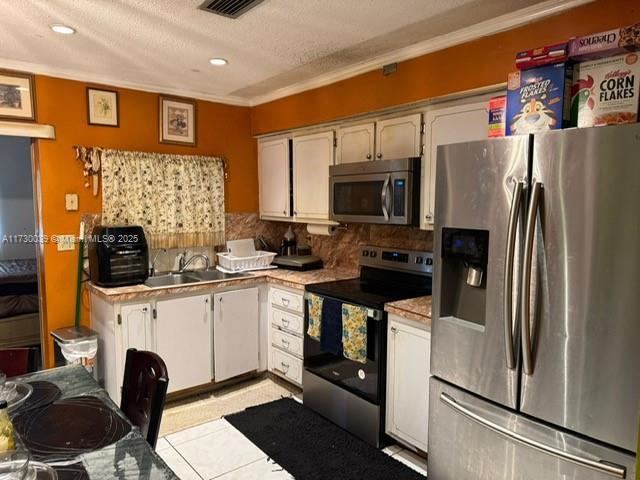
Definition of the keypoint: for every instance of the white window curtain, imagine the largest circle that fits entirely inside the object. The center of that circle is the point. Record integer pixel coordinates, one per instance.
(178, 199)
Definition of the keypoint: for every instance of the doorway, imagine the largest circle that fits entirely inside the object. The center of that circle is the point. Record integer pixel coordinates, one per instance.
(20, 300)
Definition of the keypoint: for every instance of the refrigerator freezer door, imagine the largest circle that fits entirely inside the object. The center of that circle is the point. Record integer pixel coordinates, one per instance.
(584, 338)
(476, 190)
(472, 439)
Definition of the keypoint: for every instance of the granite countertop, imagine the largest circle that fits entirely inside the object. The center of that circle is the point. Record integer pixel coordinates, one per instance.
(417, 309)
(287, 278)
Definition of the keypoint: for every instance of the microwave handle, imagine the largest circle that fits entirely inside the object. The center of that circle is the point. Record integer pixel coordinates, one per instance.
(385, 197)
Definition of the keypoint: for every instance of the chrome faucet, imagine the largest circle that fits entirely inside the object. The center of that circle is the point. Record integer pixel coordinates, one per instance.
(182, 264)
(152, 269)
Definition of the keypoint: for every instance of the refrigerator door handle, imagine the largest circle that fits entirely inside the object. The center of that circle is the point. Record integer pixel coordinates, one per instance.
(601, 466)
(525, 329)
(514, 214)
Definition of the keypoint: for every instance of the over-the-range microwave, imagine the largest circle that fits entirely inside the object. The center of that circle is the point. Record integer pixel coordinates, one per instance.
(382, 191)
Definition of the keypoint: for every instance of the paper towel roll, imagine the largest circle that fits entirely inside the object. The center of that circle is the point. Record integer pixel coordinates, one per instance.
(314, 229)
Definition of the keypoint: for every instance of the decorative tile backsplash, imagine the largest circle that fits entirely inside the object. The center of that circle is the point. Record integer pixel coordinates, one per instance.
(339, 250)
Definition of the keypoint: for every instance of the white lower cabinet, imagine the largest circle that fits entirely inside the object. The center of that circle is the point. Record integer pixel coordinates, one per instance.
(408, 365)
(235, 333)
(184, 340)
(286, 334)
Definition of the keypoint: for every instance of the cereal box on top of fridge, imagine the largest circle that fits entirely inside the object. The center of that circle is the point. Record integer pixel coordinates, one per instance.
(605, 91)
(497, 115)
(605, 44)
(536, 57)
(539, 99)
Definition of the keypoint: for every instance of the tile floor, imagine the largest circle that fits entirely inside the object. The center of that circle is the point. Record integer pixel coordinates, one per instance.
(216, 450)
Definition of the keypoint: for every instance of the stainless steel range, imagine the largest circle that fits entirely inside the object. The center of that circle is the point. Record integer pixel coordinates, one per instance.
(350, 393)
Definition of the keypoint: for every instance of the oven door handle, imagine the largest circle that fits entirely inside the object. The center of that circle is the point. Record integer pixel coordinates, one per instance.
(385, 197)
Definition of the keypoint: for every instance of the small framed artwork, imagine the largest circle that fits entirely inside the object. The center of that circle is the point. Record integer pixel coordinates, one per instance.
(17, 96)
(102, 107)
(177, 120)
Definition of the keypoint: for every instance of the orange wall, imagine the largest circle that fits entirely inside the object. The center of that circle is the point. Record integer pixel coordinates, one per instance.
(475, 64)
(222, 130)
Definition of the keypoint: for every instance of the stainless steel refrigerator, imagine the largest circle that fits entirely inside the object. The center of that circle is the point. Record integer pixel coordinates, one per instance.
(536, 331)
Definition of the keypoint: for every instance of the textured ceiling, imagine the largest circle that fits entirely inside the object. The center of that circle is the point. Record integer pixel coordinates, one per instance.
(165, 45)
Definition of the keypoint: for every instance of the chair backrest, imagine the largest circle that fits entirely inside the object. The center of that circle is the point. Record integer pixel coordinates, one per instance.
(144, 390)
(18, 361)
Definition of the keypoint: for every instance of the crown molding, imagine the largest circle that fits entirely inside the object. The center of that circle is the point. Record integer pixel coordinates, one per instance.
(86, 77)
(483, 29)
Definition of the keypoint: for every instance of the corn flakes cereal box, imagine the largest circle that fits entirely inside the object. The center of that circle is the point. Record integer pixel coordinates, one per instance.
(538, 99)
(605, 91)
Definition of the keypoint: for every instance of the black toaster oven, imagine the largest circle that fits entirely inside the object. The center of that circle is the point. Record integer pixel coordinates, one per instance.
(118, 256)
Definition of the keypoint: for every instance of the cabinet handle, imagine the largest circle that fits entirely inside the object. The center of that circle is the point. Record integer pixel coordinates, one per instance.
(379, 155)
(429, 216)
(284, 212)
(285, 302)
(368, 156)
(394, 330)
(286, 366)
(285, 342)
(119, 319)
(285, 322)
(145, 310)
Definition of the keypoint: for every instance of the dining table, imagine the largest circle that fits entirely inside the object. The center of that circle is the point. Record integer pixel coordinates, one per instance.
(129, 457)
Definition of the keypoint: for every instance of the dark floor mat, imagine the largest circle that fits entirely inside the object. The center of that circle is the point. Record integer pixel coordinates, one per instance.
(312, 448)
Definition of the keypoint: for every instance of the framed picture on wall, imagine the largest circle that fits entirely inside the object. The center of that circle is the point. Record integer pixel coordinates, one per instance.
(17, 96)
(102, 107)
(177, 118)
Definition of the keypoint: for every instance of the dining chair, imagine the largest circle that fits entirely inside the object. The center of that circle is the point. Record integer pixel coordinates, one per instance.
(18, 361)
(144, 390)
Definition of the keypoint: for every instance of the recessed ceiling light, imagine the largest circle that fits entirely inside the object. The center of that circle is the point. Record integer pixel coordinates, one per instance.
(218, 62)
(63, 29)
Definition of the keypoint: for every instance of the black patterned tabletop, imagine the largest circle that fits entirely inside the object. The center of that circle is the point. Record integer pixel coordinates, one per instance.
(114, 450)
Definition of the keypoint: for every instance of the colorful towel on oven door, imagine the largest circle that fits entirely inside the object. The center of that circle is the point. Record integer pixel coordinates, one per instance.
(354, 332)
(315, 316)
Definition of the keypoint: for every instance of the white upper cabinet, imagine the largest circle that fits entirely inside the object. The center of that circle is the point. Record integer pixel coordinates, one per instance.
(399, 137)
(273, 171)
(312, 156)
(453, 124)
(355, 143)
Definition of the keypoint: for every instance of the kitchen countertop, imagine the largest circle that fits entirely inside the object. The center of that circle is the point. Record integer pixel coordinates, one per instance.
(286, 278)
(417, 309)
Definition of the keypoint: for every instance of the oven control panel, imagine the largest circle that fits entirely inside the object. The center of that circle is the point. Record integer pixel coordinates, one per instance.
(415, 261)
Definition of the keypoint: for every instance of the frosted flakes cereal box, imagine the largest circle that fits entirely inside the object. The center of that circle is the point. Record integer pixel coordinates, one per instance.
(538, 99)
(605, 91)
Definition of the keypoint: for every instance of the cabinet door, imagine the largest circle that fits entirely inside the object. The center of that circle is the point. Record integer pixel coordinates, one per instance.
(408, 383)
(184, 340)
(136, 327)
(399, 137)
(356, 143)
(461, 123)
(273, 171)
(312, 156)
(235, 333)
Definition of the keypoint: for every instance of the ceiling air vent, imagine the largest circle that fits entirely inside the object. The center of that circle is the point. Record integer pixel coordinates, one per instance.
(229, 8)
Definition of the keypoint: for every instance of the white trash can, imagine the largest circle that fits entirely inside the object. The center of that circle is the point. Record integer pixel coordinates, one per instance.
(78, 346)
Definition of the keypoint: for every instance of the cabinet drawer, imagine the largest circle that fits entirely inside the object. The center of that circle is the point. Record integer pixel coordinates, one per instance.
(285, 341)
(287, 365)
(288, 300)
(287, 321)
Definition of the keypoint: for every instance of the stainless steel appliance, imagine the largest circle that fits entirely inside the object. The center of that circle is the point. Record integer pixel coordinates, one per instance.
(118, 256)
(384, 191)
(349, 393)
(535, 361)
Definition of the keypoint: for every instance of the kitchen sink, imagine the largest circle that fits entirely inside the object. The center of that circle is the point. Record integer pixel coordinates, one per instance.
(171, 279)
(210, 275)
(195, 276)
